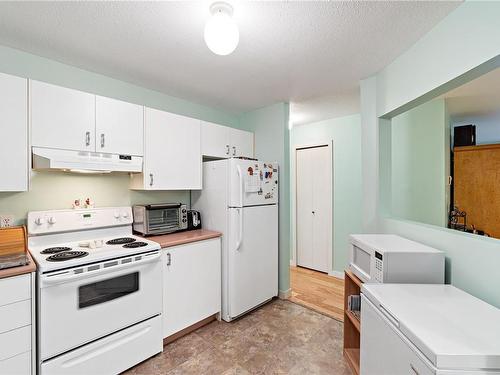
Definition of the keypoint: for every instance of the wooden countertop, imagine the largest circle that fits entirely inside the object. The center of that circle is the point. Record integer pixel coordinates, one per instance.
(19, 270)
(181, 238)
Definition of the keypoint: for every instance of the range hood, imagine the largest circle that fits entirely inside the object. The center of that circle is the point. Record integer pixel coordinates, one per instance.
(84, 161)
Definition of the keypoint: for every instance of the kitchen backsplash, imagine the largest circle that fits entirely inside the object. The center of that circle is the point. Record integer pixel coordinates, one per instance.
(57, 190)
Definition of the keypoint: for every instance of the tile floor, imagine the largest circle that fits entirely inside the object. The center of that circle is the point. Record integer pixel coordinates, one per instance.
(279, 338)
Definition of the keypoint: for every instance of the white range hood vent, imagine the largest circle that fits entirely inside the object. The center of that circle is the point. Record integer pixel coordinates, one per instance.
(84, 161)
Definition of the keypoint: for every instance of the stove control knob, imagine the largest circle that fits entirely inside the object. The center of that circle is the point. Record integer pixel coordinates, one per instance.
(116, 215)
(125, 214)
(39, 220)
(52, 220)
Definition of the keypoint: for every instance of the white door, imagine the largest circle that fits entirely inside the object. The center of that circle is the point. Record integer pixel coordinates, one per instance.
(191, 284)
(119, 127)
(14, 130)
(253, 257)
(215, 140)
(172, 152)
(241, 143)
(314, 214)
(62, 118)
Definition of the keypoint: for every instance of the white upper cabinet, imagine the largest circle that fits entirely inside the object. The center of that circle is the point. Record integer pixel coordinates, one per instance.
(62, 118)
(241, 143)
(172, 153)
(215, 140)
(119, 127)
(14, 133)
(219, 141)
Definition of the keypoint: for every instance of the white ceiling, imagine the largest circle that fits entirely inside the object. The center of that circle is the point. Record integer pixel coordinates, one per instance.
(479, 97)
(288, 51)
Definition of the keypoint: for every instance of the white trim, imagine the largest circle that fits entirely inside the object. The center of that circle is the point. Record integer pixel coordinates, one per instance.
(337, 274)
(284, 294)
(329, 144)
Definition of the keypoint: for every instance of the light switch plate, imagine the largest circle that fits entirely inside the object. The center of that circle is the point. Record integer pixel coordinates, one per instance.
(6, 221)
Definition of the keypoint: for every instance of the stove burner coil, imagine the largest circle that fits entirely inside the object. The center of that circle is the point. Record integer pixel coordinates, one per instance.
(54, 250)
(120, 241)
(67, 255)
(135, 244)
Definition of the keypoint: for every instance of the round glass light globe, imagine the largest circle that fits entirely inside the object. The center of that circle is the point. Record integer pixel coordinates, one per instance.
(221, 33)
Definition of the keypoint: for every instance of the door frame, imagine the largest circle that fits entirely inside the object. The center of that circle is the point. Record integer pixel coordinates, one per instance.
(296, 148)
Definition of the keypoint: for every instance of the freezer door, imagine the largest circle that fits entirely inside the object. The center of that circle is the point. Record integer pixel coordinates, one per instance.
(252, 183)
(253, 257)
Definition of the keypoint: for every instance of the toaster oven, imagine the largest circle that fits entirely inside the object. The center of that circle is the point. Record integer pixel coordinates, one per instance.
(153, 219)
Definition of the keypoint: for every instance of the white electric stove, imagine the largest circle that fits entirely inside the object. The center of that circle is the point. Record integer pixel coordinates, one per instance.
(99, 291)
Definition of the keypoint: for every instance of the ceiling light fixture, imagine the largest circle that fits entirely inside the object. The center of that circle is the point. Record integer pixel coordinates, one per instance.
(221, 32)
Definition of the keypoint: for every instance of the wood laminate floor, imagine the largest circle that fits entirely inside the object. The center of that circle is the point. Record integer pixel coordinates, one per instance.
(278, 338)
(317, 291)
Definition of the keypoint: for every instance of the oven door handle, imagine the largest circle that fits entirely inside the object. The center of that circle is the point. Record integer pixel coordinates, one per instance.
(68, 276)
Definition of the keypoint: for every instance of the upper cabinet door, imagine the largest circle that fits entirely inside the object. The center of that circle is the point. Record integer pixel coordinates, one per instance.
(241, 143)
(172, 158)
(215, 140)
(14, 131)
(119, 127)
(62, 118)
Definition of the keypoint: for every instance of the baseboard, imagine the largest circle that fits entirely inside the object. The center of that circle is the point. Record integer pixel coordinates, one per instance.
(337, 274)
(284, 294)
(293, 263)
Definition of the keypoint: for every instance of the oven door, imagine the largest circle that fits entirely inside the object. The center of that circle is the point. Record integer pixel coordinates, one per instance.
(360, 263)
(75, 309)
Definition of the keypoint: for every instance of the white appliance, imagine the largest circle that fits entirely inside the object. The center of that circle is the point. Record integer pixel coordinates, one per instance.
(387, 258)
(99, 291)
(427, 329)
(49, 158)
(240, 199)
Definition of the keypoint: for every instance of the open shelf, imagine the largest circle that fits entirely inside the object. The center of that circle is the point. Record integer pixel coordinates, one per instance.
(354, 320)
(352, 357)
(352, 325)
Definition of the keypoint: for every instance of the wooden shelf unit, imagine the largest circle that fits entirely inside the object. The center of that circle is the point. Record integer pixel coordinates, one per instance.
(352, 325)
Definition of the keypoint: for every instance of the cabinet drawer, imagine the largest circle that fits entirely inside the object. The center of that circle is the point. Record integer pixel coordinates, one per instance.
(14, 289)
(15, 315)
(20, 364)
(15, 342)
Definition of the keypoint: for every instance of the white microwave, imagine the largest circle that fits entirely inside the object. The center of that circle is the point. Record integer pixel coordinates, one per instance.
(387, 258)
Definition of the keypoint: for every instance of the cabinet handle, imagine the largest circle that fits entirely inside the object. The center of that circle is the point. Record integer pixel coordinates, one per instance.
(87, 139)
(151, 179)
(227, 149)
(169, 259)
(102, 140)
(234, 151)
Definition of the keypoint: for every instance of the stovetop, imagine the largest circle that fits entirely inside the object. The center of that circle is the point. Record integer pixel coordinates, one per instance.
(54, 256)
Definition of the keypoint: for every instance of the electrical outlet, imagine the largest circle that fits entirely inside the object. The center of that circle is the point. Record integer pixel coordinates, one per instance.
(6, 221)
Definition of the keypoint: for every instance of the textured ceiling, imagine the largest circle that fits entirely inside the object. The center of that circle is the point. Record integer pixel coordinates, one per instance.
(479, 97)
(288, 51)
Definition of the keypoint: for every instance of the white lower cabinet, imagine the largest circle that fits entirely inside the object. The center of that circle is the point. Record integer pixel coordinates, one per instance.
(191, 284)
(17, 341)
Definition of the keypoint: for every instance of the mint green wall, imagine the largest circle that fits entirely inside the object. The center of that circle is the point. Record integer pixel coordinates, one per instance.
(270, 126)
(53, 190)
(418, 164)
(432, 66)
(345, 132)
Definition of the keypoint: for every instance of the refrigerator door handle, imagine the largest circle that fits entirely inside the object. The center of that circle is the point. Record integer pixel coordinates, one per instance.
(240, 175)
(240, 229)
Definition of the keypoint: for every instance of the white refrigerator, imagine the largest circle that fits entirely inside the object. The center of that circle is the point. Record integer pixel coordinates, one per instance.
(240, 199)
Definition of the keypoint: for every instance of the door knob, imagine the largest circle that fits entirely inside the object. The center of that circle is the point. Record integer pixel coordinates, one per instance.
(313, 212)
